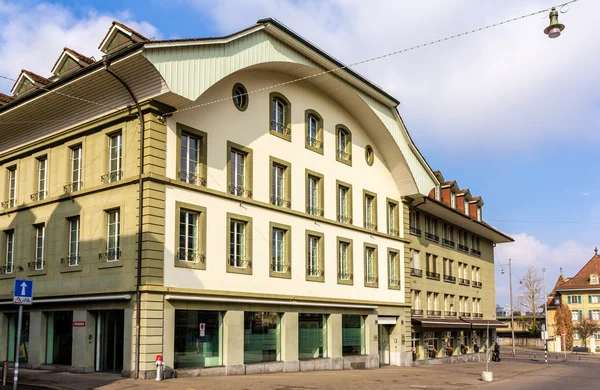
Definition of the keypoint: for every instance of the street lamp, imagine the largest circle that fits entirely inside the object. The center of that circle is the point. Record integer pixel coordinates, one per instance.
(554, 29)
(545, 319)
(512, 312)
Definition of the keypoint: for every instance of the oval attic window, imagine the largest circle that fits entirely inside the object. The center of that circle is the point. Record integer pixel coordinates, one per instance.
(240, 97)
(369, 155)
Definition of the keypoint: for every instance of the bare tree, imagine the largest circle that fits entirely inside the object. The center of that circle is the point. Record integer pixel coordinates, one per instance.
(532, 286)
(563, 320)
(586, 328)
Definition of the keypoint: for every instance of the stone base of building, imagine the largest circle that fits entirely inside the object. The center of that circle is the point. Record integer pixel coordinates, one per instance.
(469, 358)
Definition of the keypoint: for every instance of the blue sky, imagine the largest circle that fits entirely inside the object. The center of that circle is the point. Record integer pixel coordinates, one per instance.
(507, 112)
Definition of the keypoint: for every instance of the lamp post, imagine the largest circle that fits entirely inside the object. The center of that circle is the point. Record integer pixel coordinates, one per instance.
(545, 319)
(512, 311)
(554, 29)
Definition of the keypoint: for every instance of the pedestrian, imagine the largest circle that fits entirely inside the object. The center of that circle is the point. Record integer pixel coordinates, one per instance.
(475, 347)
(496, 354)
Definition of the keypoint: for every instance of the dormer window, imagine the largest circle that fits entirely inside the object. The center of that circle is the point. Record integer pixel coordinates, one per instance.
(479, 213)
(453, 199)
(437, 193)
(594, 279)
(466, 207)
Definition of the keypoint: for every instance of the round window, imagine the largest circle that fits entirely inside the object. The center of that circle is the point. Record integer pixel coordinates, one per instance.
(369, 155)
(240, 97)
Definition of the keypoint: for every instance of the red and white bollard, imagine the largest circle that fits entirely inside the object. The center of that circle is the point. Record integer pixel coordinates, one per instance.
(159, 367)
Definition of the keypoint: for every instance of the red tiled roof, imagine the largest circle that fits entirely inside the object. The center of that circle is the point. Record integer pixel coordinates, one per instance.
(439, 176)
(582, 279)
(463, 191)
(5, 99)
(206, 39)
(35, 77)
(124, 27)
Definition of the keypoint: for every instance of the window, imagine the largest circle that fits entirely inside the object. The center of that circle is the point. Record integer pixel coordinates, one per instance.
(344, 202)
(280, 120)
(42, 164)
(280, 183)
(453, 199)
(575, 315)
(314, 193)
(343, 152)
(239, 167)
(73, 255)
(371, 266)
(240, 97)
(239, 241)
(417, 299)
(475, 249)
(370, 210)
(393, 269)
(9, 260)
(415, 222)
(198, 338)
(466, 206)
(594, 299)
(432, 301)
(353, 335)
(280, 251)
(314, 131)
(431, 265)
(191, 163)
(315, 270)
(437, 193)
(261, 337)
(448, 267)
(431, 228)
(594, 279)
(393, 223)
(462, 241)
(76, 183)
(479, 213)
(595, 315)
(12, 187)
(312, 336)
(191, 228)
(574, 299)
(40, 232)
(344, 266)
(415, 259)
(448, 235)
(113, 235)
(115, 146)
(369, 155)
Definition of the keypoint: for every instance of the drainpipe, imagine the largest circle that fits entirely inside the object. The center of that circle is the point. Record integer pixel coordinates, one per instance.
(138, 307)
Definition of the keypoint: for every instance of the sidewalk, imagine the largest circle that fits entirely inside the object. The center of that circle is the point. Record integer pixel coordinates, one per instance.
(449, 376)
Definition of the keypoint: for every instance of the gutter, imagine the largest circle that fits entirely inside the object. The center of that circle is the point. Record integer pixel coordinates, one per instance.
(138, 283)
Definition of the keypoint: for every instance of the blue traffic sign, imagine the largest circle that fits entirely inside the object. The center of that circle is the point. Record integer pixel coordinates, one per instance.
(23, 292)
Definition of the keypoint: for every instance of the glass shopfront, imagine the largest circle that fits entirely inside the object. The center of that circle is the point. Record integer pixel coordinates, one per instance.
(12, 338)
(353, 335)
(198, 338)
(312, 336)
(261, 337)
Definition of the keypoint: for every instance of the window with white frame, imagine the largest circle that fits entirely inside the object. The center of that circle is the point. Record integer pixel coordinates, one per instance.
(415, 259)
(417, 299)
(594, 298)
(190, 158)
(237, 243)
(343, 203)
(188, 235)
(278, 108)
(575, 315)
(12, 186)
(370, 274)
(76, 168)
(453, 199)
(9, 260)
(113, 235)
(343, 261)
(313, 266)
(314, 195)
(40, 236)
(279, 192)
(278, 263)
(344, 145)
(370, 213)
(115, 147)
(312, 129)
(479, 213)
(595, 315)
(466, 207)
(74, 229)
(393, 269)
(42, 165)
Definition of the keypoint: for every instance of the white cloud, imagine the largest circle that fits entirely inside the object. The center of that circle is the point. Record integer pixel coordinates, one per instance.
(33, 37)
(509, 86)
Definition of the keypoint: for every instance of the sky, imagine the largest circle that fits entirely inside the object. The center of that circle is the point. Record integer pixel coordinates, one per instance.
(507, 112)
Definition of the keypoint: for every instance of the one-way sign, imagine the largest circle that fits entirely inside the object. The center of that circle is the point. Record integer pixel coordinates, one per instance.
(23, 292)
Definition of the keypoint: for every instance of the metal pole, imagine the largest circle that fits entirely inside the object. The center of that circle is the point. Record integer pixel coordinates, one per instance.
(512, 316)
(487, 349)
(18, 348)
(545, 319)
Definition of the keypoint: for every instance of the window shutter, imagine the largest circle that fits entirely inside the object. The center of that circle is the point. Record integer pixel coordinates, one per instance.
(590, 314)
(589, 299)
(569, 298)
(578, 298)
(580, 315)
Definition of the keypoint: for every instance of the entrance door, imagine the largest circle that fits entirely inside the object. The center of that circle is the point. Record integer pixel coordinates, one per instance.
(59, 341)
(109, 340)
(384, 345)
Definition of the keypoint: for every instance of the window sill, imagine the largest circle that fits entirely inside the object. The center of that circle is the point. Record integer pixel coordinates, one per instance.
(343, 161)
(40, 272)
(73, 268)
(313, 148)
(112, 264)
(347, 282)
(286, 137)
(393, 287)
(7, 276)
(239, 270)
(372, 285)
(199, 265)
(319, 279)
(280, 275)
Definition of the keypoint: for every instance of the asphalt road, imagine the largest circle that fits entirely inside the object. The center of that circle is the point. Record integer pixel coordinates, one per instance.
(569, 375)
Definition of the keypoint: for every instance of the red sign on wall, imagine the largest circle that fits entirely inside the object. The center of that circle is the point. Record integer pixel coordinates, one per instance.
(78, 324)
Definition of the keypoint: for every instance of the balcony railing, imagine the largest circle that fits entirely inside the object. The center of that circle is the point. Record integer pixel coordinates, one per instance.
(393, 232)
(343, 218)
(463, 248)
(394, 282)
(416, 312)
(240, 191)
(317, 212)
(237, 262)
(7, 204)
(72, 187)
(315, 143)
(434, 313)
(432, 275)
(370, 226)
(112, 255)
(371, 279)
(464, 282)
(449, 279)
(449, 243)
(280, 128)
(40, 195)
(345, 275)
(477, 315)
(192, 178)
(111, 177)
(416, 272)
(71, 260)
(343, 155)
(415, 230)
(464, 314)
(6, 269)
(475, 252)
(281, 268)
(281, 202)
(37, 265)
(190, 255)
(449, 314)
(476, 284)
(315, 272)
(432, 237)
